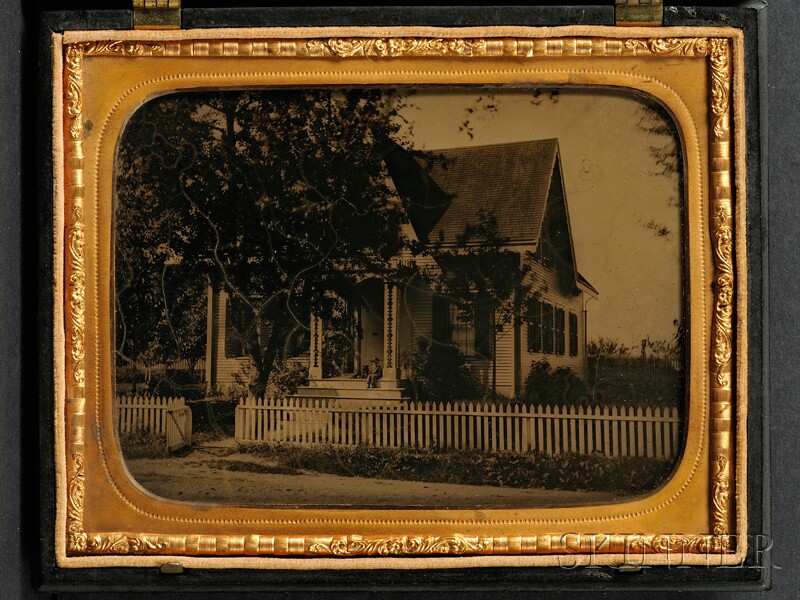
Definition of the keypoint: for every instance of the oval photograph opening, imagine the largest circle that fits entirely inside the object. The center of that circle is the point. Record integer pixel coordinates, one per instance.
(429, 297)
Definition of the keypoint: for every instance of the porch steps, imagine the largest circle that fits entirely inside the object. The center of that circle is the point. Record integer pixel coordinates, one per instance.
(365, 394)
(347, 383)
(353, 389)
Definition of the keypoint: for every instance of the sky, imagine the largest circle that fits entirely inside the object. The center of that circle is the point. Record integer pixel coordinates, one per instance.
(624, 215)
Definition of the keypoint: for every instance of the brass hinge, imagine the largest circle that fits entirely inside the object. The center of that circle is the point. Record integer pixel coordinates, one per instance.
(156, 14)
(639, 12)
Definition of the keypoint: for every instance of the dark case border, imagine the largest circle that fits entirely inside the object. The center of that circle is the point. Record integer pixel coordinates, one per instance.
(38, 272)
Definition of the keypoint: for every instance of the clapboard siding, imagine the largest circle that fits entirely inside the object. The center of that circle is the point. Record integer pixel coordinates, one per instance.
(504, 351)
(416, 316)
(222, 368)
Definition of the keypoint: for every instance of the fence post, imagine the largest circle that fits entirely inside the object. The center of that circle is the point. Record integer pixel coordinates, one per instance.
(572, 419)
(237, 421)
(674, 423)
(658, 427)
(147, 425)
(648, 415)
(556, 429)
(581, 412)
(458, 425)
(128, 412)
(591, 424)
(624, 410)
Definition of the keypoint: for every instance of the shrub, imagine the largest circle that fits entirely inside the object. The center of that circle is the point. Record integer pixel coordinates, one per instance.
(629, 390)
(440, 372)
(628, 381)
(286, 377)
(243, 378)
(596, 472)
(213, 418)
(543, 385)
(176, 383)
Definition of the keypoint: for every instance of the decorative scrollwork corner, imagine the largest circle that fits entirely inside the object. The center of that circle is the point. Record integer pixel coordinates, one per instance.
(123, 48)
(77, 540)
(720, 489)
(119, 543)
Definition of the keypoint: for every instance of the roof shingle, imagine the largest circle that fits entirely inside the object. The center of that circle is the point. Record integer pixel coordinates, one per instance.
(510, 181)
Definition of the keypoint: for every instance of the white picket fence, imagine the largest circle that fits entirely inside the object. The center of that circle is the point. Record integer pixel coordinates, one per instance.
(168, 416)
(612, 431)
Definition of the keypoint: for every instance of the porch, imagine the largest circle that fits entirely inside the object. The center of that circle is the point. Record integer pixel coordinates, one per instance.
(366, 326)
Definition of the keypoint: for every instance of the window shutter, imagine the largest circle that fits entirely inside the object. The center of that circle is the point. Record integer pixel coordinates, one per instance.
(573, 334)
(535, 326)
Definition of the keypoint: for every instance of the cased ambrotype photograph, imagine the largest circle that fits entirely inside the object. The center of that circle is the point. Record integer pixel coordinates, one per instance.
(328, 296)
(421, 297)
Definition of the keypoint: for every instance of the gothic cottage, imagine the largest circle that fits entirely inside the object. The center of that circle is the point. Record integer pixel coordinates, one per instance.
(520, 185)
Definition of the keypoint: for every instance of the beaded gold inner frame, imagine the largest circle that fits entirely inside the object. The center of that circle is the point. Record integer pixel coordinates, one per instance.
(105, 519)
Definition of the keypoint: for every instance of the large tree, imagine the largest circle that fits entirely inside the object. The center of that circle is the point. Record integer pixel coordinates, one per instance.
(277, 197)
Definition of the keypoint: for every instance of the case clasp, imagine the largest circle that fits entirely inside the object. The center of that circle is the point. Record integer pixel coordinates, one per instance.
(156, 14)
(639, 12)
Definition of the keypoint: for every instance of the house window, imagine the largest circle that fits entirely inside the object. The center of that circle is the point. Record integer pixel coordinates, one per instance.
(573, 334)
(462, 334)
(546, 328)
(450, 326)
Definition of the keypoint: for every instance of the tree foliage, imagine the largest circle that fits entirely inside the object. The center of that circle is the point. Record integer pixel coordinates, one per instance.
(483, 276)
(439, 372)
(276, 197)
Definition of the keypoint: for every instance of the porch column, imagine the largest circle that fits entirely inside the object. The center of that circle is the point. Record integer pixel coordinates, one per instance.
(357, 337)
(315, 348)
(391, 305)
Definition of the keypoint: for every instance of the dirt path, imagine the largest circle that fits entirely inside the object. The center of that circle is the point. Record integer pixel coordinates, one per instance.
(205, 476)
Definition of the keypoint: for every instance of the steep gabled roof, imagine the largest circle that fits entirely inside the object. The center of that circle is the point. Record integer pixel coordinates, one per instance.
(509, 181)
(446, 190)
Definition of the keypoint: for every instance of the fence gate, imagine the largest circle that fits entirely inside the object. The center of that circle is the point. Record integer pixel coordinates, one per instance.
(164, 416)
